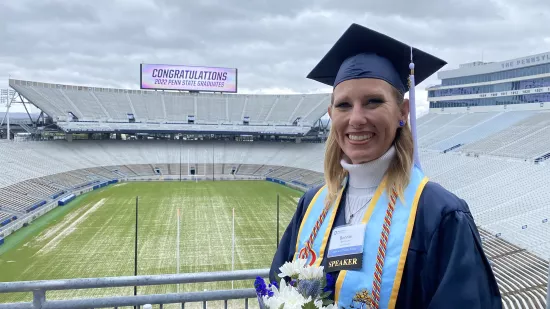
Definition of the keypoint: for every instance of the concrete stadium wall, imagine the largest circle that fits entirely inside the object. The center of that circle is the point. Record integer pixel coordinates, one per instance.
(194, 178)
(29, 218)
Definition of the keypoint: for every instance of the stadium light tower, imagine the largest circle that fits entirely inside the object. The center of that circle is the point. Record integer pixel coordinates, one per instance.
(6, 97)
(181, 146)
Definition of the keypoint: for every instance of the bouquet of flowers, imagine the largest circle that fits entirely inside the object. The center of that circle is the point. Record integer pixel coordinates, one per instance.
(309, 288)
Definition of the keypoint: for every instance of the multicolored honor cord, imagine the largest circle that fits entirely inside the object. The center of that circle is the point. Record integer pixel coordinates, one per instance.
(307, 249)
(381, 256)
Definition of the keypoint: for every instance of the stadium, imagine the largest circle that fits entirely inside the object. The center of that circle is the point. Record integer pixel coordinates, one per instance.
(72, 176)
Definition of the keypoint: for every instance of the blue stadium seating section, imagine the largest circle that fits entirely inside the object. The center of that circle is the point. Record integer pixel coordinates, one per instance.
(66, 199)
(86, 184)
(275, 180)
(36, 206)
(104, 184)
(8, 221)
(58, 194)
(299, 183)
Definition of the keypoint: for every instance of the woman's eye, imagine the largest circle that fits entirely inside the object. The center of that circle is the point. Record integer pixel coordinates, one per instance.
(342, 105)
(376, 101)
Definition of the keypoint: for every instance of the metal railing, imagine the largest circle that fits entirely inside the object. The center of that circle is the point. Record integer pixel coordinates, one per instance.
(39, 289)
(548, 288)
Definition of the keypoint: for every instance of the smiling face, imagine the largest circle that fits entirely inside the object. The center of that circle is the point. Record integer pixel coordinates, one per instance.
(365, 115)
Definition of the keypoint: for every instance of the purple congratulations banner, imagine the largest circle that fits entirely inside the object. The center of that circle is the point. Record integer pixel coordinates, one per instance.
(188, 78)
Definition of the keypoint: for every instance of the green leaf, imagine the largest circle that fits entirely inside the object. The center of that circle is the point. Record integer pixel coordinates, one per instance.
(277, 278)
(310, 305)
(325, 294)
(327, 302)
(282, 306)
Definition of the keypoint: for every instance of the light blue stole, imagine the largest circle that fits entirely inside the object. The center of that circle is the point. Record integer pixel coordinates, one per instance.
(350, 284)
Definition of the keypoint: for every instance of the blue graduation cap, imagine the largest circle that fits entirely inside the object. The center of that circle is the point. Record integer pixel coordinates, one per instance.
(364, 53)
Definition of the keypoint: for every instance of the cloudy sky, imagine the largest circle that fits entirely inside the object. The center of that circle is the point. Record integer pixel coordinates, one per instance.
(274, 44)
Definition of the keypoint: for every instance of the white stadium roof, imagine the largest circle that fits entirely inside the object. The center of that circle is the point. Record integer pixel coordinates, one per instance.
(109, 105)
(476, 68)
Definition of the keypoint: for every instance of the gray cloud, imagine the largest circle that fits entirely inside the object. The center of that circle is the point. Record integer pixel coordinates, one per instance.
(273, 44)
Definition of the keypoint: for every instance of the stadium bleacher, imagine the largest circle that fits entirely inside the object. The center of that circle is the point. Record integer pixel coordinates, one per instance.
(521, 135)
(4, 216)
(521, 276)
(512, 140)
(91, 104)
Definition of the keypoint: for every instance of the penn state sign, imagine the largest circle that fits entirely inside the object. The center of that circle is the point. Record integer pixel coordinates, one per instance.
(526, 61)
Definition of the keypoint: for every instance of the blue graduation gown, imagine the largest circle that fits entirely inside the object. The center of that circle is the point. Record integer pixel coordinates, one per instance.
(446, 266)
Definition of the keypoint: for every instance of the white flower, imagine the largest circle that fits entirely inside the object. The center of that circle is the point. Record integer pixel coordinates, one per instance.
(319, 304)
(272, 302)
(312, 272)
(286, 295)
(290, 269)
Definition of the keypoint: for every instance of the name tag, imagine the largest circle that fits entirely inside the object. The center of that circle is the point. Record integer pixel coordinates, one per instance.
(345, 251)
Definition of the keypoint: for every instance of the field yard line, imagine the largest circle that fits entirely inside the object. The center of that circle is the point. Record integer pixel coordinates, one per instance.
(52, 244)
(242, 253)
(223, 216)
(67, 220)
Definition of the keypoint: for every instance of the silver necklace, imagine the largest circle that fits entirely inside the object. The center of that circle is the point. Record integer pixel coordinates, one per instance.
(353, 214)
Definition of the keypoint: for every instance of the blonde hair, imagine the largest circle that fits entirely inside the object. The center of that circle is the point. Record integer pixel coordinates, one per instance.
(398, 172)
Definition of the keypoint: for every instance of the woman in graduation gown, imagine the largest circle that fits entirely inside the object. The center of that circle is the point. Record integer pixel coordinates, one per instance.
(419, 245)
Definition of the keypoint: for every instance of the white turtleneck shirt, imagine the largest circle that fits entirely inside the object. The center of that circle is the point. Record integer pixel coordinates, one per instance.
(363, 181)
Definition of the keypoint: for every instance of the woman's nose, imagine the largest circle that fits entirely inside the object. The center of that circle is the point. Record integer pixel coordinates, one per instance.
(357, 117)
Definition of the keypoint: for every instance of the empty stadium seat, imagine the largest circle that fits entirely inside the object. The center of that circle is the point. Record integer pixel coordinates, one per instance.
(114, 105)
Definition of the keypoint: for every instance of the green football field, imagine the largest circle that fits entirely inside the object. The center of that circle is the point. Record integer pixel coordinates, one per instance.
(94, 235)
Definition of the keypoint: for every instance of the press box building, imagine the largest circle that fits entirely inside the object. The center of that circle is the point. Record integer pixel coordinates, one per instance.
(517, 84)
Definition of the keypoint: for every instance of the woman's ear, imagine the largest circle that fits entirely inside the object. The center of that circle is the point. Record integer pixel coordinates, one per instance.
(405, 110)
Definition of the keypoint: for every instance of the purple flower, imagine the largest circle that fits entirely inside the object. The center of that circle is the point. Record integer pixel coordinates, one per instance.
(310, 288)
(260, 286)
(331, 283)
(269, 291)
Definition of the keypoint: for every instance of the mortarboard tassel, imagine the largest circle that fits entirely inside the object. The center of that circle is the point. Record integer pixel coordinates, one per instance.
(412, 107)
